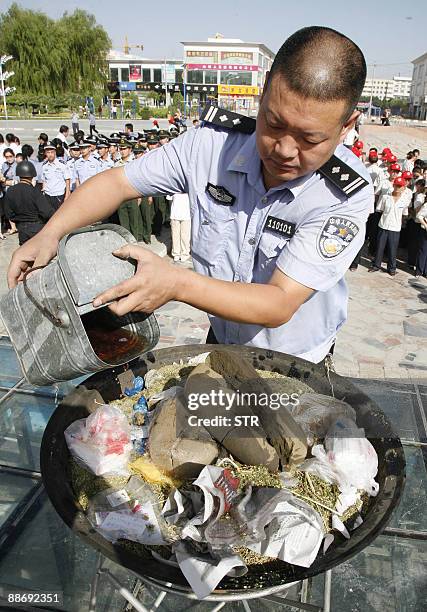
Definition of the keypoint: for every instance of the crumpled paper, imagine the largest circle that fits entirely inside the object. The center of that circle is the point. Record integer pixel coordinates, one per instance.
(269, 521)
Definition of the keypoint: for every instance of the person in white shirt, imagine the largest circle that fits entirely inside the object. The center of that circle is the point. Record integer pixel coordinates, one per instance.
(352, 135)
(421, 267)
(62, 134)
(413, 224)
(180, 226)
(393, 206)
(408, 163)
(75, 122)
(377, 177)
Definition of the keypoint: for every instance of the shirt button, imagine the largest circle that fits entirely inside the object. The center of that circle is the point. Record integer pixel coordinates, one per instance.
(264, 199)
(251, 241)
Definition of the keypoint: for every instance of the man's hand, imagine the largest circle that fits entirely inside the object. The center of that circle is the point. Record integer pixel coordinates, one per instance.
(154, 283)
(36, 252)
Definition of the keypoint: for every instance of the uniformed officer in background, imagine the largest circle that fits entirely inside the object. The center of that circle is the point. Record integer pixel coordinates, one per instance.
(87, 165)
(105, 161)
(129, 213)
(25, 205)
(56, 177)
(145, 202)
(278, 208)
(74, 149)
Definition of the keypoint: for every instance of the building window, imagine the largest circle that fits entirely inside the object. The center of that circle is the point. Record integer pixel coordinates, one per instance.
(195, 76)
(236, 78)
(211, 77)
(125, 75)
(178, 76)
(146, 75)
(114, 74)
(157, 75)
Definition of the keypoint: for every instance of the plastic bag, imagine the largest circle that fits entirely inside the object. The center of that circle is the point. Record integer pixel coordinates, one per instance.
(101, 442)
(131, 513)
(316, 413)
(353, 454)
(348, 459)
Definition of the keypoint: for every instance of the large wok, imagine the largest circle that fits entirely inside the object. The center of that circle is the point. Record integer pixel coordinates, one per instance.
(260, 579)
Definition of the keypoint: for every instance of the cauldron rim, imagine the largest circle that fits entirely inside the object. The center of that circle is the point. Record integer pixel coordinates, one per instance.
(390, 447)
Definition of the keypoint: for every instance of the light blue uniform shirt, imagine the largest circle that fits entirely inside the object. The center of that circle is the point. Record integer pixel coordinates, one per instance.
(54, 175)
(85, 168)
(232, 244)
(105, 164)
(71, 165)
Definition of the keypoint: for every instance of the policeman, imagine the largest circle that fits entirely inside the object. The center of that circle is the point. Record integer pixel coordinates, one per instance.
(87, 165)
(164, 137)
(129, 213)
(105, 161)
(152, 141)
(74, 149)
(25, 205)
(92, 142)
(145, 202)
(56, 177)
(278, 208)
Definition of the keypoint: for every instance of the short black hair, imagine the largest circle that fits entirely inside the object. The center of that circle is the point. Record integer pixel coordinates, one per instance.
(130, 126)
(10, 137)
(63, 129)
(323, 64)
(27, 151)
(43, 136)
(8, 150)
(415, 151)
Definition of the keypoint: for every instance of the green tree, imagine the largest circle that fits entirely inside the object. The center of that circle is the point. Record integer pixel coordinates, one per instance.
(55, 57)
(86, 47)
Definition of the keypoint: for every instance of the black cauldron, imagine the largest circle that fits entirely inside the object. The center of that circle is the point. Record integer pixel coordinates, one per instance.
(260, 579)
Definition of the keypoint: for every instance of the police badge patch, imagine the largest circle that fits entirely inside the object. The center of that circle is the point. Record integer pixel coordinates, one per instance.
(335, 236)
(220, 194)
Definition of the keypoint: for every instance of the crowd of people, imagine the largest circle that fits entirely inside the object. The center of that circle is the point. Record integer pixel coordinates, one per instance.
(31, 192)
(33, 184)
(399, 217)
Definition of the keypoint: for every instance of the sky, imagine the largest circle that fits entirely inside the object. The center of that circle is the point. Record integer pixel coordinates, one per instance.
(390, 34)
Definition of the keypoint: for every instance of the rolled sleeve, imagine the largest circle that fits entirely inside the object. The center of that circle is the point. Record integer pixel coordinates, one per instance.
(164, 170)
(306, 259)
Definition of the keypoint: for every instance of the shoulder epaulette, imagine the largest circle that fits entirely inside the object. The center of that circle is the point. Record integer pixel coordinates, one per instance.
(224, 118)
(342, 176)
(335, 170)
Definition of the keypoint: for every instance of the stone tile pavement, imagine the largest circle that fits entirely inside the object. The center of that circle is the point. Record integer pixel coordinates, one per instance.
(385, 336)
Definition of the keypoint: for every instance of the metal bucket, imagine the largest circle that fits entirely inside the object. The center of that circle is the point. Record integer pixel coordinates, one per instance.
(53, 327)
(261, 580)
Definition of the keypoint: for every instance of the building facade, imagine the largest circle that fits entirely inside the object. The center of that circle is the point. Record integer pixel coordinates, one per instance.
(418, 98)
(228, 72)
(387, 89)
(142, 75)
(236, 68)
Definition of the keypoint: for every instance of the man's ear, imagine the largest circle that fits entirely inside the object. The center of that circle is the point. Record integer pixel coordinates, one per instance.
(349, 124)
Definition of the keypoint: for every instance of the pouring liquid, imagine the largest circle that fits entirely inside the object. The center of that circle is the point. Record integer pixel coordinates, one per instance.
(111, 341)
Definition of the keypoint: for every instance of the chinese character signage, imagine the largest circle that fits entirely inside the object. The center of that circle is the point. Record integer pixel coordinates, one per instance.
(237, 57)
(205, 55)
(135, 72)
(243, 90)
(209, 66)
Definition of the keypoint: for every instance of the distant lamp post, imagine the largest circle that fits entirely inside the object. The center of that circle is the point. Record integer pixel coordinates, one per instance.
(372, 90)
(5, 91)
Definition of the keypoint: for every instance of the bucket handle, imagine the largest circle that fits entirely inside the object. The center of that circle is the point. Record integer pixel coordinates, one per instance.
(56, 321)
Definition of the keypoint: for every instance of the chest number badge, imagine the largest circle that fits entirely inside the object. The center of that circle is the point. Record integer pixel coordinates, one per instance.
(335, 236)
(280, 226)
(220, 194)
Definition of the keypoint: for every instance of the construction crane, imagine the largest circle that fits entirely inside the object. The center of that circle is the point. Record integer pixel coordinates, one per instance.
(127, 47)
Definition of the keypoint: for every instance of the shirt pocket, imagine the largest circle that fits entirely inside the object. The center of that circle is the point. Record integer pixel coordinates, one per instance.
(269, 248)
(212, 225)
